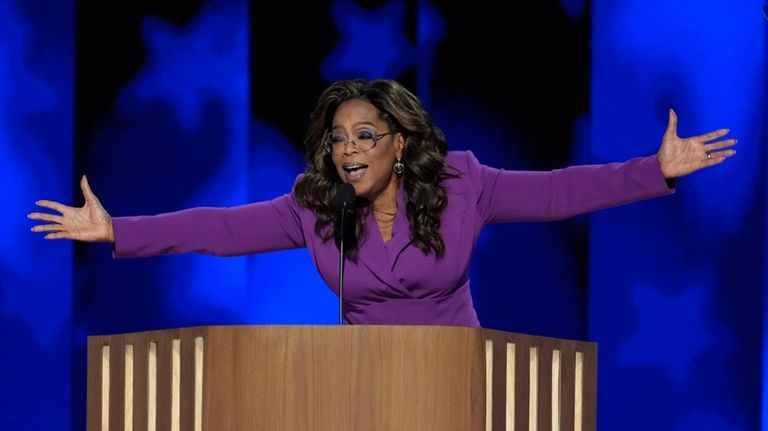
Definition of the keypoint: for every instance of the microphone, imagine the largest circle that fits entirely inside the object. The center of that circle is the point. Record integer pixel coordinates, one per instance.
(343, 196)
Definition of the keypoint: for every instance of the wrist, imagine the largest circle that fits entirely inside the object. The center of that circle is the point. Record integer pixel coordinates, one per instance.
(110, 231)
(663, 167)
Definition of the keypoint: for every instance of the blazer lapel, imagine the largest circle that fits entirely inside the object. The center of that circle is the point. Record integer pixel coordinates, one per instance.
(374, 256)
(381, 258)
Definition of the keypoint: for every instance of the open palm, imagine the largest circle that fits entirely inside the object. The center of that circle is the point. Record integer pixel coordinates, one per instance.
(682, 156)
(90, 223)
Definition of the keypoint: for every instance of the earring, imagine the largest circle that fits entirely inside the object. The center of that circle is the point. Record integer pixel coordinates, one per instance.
(399, 167)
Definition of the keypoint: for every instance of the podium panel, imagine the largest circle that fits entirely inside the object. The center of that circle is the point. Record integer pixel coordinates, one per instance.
(357, 377)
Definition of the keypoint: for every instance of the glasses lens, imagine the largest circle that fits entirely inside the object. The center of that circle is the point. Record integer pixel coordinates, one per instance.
(365, 140)
(333, 141)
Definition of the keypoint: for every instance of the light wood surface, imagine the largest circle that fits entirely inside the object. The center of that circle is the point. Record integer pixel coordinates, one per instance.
(342, 378)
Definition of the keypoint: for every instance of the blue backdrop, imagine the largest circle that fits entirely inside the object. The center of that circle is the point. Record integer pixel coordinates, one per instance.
(171, 106)
(676, 284)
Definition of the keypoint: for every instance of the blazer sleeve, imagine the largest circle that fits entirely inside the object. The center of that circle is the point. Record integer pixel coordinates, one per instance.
(505, 196)
(251, 228)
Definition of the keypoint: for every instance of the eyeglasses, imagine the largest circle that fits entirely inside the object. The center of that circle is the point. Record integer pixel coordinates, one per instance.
(364, 141)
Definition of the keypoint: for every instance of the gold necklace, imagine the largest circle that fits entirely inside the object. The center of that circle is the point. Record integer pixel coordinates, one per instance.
(389, 220)
(384, 222)
(384, 212)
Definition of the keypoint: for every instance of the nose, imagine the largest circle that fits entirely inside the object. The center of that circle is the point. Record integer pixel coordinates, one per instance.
(346, 145)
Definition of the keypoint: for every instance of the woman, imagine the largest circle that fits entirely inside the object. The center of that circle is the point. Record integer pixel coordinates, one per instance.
(418, 214)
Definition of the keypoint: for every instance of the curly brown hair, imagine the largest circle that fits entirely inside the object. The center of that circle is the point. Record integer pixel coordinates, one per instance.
(423, 157)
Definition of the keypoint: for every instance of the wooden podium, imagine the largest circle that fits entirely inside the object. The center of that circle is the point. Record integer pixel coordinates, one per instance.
(357, 378)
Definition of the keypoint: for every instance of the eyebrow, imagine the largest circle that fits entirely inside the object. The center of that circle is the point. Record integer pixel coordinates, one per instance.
(359, 123)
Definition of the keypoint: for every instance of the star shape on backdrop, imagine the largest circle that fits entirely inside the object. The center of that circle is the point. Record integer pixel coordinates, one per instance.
(187, 67)
(670, 333)
(372, 43)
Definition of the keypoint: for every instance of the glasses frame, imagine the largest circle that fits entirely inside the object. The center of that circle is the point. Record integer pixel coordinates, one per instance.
(376, 138)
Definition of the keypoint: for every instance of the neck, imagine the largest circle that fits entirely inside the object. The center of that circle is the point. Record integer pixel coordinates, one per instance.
(386, 201)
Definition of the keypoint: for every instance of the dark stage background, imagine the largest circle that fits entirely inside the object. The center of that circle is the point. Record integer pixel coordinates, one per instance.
(168, 105)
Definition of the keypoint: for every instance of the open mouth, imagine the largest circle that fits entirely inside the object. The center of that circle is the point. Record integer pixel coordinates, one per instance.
(354, 171)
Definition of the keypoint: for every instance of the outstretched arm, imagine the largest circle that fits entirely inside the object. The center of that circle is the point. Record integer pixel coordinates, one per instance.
(224, 231)
(251, 228)
(90, 223)
(562, 193)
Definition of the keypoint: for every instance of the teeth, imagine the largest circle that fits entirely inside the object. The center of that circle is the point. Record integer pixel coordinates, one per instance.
(354, 167)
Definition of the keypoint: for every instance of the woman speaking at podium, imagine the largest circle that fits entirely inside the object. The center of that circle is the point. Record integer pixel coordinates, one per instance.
(418, 208)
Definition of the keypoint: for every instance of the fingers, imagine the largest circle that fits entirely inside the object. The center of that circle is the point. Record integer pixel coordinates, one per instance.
(59, 235)
(716, 160)
(55, 231)
(53, 205)
(719, 151)
(48, 228)
(720, 145)
(719, 156)
(45, 217)
(713, 135)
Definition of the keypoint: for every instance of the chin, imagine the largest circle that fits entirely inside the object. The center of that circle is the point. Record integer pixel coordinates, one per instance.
(361, 191)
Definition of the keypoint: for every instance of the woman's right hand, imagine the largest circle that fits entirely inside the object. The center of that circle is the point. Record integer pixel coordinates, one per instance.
(90, 223)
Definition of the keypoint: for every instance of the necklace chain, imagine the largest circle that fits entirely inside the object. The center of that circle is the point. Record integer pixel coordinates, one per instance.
(384, 212)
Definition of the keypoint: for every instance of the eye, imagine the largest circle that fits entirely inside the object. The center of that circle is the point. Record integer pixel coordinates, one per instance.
(364, 135)
(337, 139)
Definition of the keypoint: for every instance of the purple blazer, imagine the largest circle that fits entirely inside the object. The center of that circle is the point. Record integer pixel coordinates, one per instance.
(395, 282)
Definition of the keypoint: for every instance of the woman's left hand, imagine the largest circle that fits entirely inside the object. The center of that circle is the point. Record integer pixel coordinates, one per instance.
(682, 156)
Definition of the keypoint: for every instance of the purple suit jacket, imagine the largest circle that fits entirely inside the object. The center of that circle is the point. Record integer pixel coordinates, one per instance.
(395, 282)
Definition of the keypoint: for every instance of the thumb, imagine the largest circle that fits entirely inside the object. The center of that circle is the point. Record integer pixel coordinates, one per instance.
(671, 125)
(87, 192)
